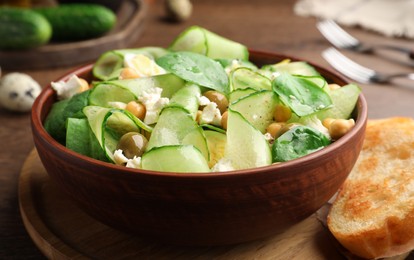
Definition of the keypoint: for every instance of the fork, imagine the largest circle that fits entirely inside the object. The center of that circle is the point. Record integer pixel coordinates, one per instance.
(343, 40)
(358, 72)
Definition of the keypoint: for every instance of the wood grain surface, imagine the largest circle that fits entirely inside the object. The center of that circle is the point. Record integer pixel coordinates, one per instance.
(61, 230)
(263, 24)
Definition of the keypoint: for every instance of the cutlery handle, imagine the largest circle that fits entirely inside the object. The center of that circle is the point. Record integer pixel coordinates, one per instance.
(407, 51)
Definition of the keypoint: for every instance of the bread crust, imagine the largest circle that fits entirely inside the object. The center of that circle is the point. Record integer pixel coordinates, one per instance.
(373, 214)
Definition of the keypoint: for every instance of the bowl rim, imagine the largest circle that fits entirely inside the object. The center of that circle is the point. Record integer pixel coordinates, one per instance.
(37, 125)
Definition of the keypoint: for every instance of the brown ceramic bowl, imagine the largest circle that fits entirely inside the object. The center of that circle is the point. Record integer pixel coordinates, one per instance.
(200, 209)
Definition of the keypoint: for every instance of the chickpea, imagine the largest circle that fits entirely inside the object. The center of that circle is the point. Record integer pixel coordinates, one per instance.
(333, 86)
(327, 122)
(132, 144)
(224, 118)
(339, 127)
(137, 109)
(218, 98)
(84, 85)
(128, 73)
(274, 128)
(282, 113)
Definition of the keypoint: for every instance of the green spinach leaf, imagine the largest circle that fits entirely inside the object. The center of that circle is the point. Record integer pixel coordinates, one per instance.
(298, 142)
(197, 69)
(301, 93)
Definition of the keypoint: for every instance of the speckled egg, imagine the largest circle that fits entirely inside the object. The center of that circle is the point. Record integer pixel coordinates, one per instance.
(18, 91)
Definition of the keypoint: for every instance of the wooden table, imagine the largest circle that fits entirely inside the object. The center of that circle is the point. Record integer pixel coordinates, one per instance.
(263, 24)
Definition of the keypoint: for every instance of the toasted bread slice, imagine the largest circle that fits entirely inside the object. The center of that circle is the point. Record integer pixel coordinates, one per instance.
(373, 214)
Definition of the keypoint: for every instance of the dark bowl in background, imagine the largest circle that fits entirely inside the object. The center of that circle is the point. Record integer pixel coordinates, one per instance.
(200, 209)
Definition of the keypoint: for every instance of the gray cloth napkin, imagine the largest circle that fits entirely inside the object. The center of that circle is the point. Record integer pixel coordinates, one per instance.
(393, 18)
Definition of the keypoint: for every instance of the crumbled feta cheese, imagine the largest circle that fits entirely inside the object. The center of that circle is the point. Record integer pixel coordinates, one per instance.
(234, 65)
(117, 104)
(142, 65)
(153, 103)
(321, 106)
(134, 163)
(121, 159)
(203, 101)
(211, 115)
(268, 137)
(66, 90)
(223, 165)
(274, 75)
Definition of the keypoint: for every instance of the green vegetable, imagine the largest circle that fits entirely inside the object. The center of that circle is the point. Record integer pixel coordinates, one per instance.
(175, 158)
(243, 152)
(78, 21)
(169, 83)
(199, 40)
(344, 100)
(295, 68)
(243, 77)
(258, 116)
(301, 94)
(196, 68)
(176, 126)
(22, 28)
(80, 138)
(55, 123)
(298, 142)
(109, 125)
(109, 64)
(187, 98)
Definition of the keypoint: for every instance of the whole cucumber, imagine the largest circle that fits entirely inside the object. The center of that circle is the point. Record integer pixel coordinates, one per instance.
(22, 28)
(78, 21)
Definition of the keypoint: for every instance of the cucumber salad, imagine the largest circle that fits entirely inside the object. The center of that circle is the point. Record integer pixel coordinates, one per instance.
(199, 105)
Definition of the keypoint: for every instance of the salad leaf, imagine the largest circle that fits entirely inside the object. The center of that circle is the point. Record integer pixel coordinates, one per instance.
(55, 123)
(80, 138)
(197, 69)
(301, 94)
(297, 142)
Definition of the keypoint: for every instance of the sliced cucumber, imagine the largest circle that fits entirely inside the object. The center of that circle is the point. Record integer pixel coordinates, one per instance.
(242, 77)
(174, 158)
(169, 83)
(216, 142)
(103, 94)
(257, 108)
(344, 100)
(202, 41)
(109, 125)
(245, 153)
(187, 98)
(213, 128)
(176, 127)
(79, 138)
(295, 68)
(240, 93)
(108, 65)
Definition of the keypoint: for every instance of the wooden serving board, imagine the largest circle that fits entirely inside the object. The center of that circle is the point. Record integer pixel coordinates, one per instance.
(130, 20)
(61, 230)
